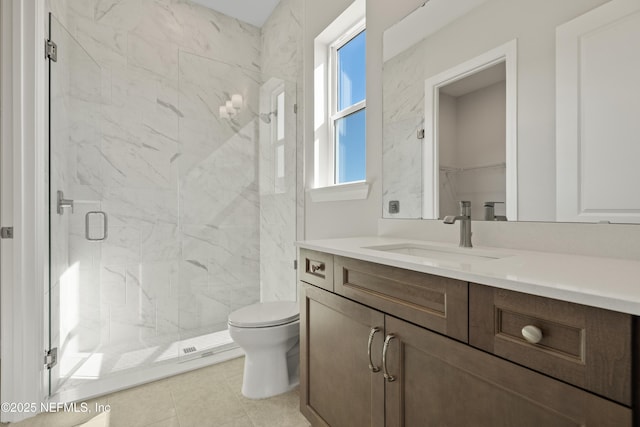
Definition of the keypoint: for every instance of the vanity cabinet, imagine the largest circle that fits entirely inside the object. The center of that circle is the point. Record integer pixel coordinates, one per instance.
(442, 382)
(435, 302)
(585, 346)
(338, 386)
(365, 362)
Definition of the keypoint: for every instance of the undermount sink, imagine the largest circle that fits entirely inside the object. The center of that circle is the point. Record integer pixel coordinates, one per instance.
(463, 255)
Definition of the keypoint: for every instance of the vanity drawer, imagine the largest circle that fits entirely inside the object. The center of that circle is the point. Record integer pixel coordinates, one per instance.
(434, 302)
(316, 268)
(585, 346)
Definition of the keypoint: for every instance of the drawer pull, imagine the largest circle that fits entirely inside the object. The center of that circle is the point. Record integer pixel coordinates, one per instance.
(532, 334)
(387, 376)
(372, 367)
(317, 267)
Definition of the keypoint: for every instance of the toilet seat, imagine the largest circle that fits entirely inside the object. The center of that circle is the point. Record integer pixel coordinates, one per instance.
(266, 314)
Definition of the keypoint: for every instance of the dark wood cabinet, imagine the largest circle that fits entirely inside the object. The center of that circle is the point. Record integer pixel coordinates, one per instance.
(585, 346)
(426, 378)
(441, 382)
(435, 302)
(316, 268)
(337, 387)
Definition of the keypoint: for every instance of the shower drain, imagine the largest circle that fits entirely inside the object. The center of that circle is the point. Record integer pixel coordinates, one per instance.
(188, 350)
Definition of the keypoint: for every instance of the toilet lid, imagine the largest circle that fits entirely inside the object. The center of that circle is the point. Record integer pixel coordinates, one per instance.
(265, 314)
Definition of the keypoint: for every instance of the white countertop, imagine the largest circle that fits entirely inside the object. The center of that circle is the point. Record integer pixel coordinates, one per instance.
(608, 283)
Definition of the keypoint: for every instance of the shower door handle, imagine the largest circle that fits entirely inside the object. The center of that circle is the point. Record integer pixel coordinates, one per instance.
(105, 226)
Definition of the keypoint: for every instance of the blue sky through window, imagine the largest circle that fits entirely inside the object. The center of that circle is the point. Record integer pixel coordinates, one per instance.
(351, 72)
(350, 155)
(351, 148)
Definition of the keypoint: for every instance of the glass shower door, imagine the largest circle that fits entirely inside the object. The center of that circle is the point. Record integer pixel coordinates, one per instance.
(165, 213)
(77, 224)
(278, 189)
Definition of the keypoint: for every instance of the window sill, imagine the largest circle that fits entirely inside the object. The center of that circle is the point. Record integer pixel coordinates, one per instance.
(341, 192)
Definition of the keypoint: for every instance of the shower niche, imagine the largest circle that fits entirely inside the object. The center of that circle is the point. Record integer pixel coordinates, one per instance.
(469, 150)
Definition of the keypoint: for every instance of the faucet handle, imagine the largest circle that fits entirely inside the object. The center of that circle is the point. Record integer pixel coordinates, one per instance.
(465, 208)
(490, 212)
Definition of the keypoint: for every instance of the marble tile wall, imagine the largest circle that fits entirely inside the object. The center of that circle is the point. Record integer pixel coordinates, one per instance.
(402, 153)
(281, 60)
(180, 185)
(403, 116)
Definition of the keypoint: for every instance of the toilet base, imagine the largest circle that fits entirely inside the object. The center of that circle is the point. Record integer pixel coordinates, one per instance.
(272, 358)
(268, 374)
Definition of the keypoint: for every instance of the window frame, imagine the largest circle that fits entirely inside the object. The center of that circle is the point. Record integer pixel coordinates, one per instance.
(332, 100)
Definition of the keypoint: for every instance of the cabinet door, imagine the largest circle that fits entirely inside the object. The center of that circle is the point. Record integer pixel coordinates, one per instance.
(441, 382)
(337, 387)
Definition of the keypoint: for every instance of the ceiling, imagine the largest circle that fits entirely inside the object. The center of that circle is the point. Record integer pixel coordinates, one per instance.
(478, 80)
(255, 12)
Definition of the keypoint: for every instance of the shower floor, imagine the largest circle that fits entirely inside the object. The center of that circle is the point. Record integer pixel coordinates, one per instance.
(78, 370)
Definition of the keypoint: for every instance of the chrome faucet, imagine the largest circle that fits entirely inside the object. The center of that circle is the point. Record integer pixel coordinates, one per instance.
(490, 212)
(465, 223)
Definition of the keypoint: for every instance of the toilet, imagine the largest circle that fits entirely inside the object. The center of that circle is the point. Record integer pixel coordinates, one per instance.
(269, 334)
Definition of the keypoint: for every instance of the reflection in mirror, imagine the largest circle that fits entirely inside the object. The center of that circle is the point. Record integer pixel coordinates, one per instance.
(471, 143)
(469, 148)
(442, 35)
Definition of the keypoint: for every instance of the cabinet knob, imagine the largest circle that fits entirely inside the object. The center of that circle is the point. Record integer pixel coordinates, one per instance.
(317, 267)
(532, 334)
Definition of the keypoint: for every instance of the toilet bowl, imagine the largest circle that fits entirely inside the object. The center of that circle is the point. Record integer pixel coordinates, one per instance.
(269, 335)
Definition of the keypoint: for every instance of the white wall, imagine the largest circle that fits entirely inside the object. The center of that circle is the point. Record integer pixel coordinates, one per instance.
(349, 218)
(476, 145)
(447, 136)
(24, 257)
(481, 127)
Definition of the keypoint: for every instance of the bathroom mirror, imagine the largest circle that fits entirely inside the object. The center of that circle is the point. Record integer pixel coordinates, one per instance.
(469, 145)
(441, 36)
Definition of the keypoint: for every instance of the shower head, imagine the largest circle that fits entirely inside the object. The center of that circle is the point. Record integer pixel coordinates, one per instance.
(266, 117)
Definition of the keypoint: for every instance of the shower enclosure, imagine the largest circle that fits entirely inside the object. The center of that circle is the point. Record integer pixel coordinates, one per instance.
(172, 175)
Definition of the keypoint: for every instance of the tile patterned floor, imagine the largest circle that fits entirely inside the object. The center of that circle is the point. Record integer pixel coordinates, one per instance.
(202, 398)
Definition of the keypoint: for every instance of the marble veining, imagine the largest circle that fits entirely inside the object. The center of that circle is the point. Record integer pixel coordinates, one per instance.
(279, 195)
(195, 231)
(403, 116)
(402, 156)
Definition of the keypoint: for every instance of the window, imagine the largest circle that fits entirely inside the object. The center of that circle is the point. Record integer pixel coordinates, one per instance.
(339, 145)
(347, 106)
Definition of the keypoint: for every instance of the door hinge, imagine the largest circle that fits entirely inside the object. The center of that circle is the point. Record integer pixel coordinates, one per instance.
(51, 358)
(6, 232)
(420, 134)
(295, 108)
(295, 264)
(51, 50)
